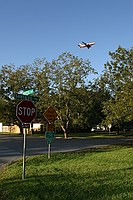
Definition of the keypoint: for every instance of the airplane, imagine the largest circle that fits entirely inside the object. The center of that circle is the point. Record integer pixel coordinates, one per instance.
(88, 45)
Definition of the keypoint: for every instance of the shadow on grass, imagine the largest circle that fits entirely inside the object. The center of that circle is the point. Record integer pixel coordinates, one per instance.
(70, 186)
(67, 184)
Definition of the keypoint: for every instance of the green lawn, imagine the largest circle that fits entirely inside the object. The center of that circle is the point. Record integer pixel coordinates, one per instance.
(101, 174)
(82, 135)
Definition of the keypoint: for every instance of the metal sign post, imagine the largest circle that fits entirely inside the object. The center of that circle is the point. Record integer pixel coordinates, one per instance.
(50, 115)
(49, 151)
(24, 153)
(25, 112)
(49, 137)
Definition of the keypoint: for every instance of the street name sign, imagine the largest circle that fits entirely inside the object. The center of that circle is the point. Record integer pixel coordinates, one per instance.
(27, 92)
(27, 97)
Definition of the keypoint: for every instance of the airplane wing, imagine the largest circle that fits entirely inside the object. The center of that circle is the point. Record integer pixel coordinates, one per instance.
(87, 45)
(84, 43)
(81, 45)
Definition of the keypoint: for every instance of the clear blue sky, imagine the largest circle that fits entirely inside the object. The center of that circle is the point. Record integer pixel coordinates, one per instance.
(31, 29)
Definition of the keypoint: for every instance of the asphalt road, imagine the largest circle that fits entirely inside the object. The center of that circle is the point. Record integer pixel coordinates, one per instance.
(11, 147)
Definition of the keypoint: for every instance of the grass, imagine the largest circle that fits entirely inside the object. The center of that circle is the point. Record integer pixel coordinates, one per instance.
(100, 174)
(83, 135)
(93, 134)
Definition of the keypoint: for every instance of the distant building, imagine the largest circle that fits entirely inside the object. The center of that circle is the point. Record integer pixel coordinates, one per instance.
(0, 127)
(15, 129)
(11, 129)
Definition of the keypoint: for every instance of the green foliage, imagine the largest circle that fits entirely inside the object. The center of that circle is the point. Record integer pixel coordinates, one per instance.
(12, 80)
(64, 84)
(104, 174)
(119, 71)
(63, 77)
(118, 80)
(58, 83)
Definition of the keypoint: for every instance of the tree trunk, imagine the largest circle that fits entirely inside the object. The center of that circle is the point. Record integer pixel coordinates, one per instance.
(65, 132)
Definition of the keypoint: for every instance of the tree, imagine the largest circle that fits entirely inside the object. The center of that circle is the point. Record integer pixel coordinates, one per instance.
(13, 80)
(118, 80)
(60, 83)
(62, 77)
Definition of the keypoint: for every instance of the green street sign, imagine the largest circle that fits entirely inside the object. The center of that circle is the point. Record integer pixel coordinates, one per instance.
(27, 92)
(22, 97)
(50, 136)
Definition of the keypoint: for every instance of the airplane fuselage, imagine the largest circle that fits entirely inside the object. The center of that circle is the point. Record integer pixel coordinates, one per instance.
(88, 45)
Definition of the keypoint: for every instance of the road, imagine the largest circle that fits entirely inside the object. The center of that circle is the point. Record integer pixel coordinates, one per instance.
(11, 147)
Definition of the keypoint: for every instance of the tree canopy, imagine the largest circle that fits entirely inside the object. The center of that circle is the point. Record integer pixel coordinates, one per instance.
(64, 84)
(61, 83)
(118, 80)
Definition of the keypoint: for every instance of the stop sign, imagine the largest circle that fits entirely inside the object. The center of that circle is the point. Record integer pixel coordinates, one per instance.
(26, 111)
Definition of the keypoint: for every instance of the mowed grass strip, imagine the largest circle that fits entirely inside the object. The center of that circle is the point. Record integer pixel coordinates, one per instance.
(101, 174)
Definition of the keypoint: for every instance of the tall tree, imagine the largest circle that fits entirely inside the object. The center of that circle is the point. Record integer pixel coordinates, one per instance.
(118, 80)
(13, 80)
(63, 76)
(60, 83)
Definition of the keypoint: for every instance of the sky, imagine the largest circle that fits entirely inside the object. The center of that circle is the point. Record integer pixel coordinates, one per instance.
(31, 29)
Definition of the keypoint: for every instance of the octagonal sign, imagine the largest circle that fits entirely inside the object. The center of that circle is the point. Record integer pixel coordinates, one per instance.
(26, 111)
